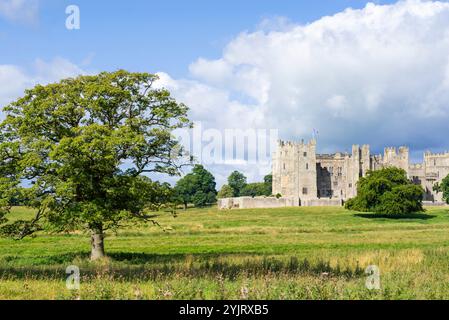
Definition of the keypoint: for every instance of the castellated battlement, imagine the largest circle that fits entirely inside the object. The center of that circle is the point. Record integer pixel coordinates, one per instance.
(392, 152)
(284, 143)
(429, 154)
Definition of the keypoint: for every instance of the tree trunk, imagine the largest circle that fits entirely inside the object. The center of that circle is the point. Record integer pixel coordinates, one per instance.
(97, 244)
(185, 206)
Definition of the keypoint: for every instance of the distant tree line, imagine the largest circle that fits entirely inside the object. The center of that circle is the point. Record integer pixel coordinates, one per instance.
(198, 188)
(238, 187)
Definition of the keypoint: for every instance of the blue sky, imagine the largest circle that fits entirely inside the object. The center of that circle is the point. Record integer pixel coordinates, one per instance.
(147, 35)
(358, 72)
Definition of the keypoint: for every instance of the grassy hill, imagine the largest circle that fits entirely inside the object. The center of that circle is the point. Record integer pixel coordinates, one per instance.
(288, 253)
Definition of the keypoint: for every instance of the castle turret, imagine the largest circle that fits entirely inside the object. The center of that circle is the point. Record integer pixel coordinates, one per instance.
(365, 159)
(354, 171)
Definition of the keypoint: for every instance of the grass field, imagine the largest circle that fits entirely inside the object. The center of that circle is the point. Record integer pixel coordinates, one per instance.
(288, 253)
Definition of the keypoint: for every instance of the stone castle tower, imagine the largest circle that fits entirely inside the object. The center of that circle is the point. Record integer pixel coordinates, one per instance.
(294, 169)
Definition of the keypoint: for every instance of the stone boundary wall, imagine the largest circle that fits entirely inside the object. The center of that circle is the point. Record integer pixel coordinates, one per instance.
(434, 204)
(257, 202)
(322, 203)
(272, 202)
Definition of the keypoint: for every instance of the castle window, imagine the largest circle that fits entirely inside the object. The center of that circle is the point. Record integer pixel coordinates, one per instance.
(335, 184)
(350, 185)
(284, 166)
(307, 166)
(305, 154)
(304, 190)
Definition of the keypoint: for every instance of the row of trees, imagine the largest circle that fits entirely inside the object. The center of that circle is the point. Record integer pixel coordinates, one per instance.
(198, 188)
(238, 187)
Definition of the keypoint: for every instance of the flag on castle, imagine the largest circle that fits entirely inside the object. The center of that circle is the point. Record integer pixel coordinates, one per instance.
(315, 133)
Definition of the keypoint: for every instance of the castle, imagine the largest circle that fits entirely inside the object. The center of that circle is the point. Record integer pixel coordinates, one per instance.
(304, 178)
(300, 173)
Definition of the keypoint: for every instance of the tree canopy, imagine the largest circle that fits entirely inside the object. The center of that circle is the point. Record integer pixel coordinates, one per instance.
(387, 191)
(197, 187)
(268, 181)
(237, 181)
(76, 151)
(444, 188)
(238, 187)
(225, 192)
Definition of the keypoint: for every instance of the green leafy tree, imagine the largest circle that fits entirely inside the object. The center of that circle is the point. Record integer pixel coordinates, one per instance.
(437, 187)
(268, 181)
(84, 144)
(158, 195)
(401, 199)
(201, 199)
(254, 190)
(237, 181)
(184, 190)
(444, 188)
(387, 191)
(225, 192)
(197, 187)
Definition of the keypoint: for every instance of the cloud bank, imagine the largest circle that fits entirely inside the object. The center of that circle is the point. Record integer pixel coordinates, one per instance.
(378, 75)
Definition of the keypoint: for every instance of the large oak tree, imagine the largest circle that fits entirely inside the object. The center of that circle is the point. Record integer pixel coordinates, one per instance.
(76, 151)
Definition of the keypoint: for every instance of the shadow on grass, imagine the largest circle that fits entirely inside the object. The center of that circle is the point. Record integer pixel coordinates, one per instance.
(409, 216)
(157, 267)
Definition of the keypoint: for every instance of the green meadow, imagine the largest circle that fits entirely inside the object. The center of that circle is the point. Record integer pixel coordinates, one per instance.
(288, 253)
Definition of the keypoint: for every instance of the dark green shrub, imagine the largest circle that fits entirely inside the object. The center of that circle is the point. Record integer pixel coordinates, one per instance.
(444, 188)
(387, 191)
(401, 200)
(201, 199)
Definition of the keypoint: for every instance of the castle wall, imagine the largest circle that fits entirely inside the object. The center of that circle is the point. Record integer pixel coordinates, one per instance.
(332, 172)
(323, 203)
(257, 202)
